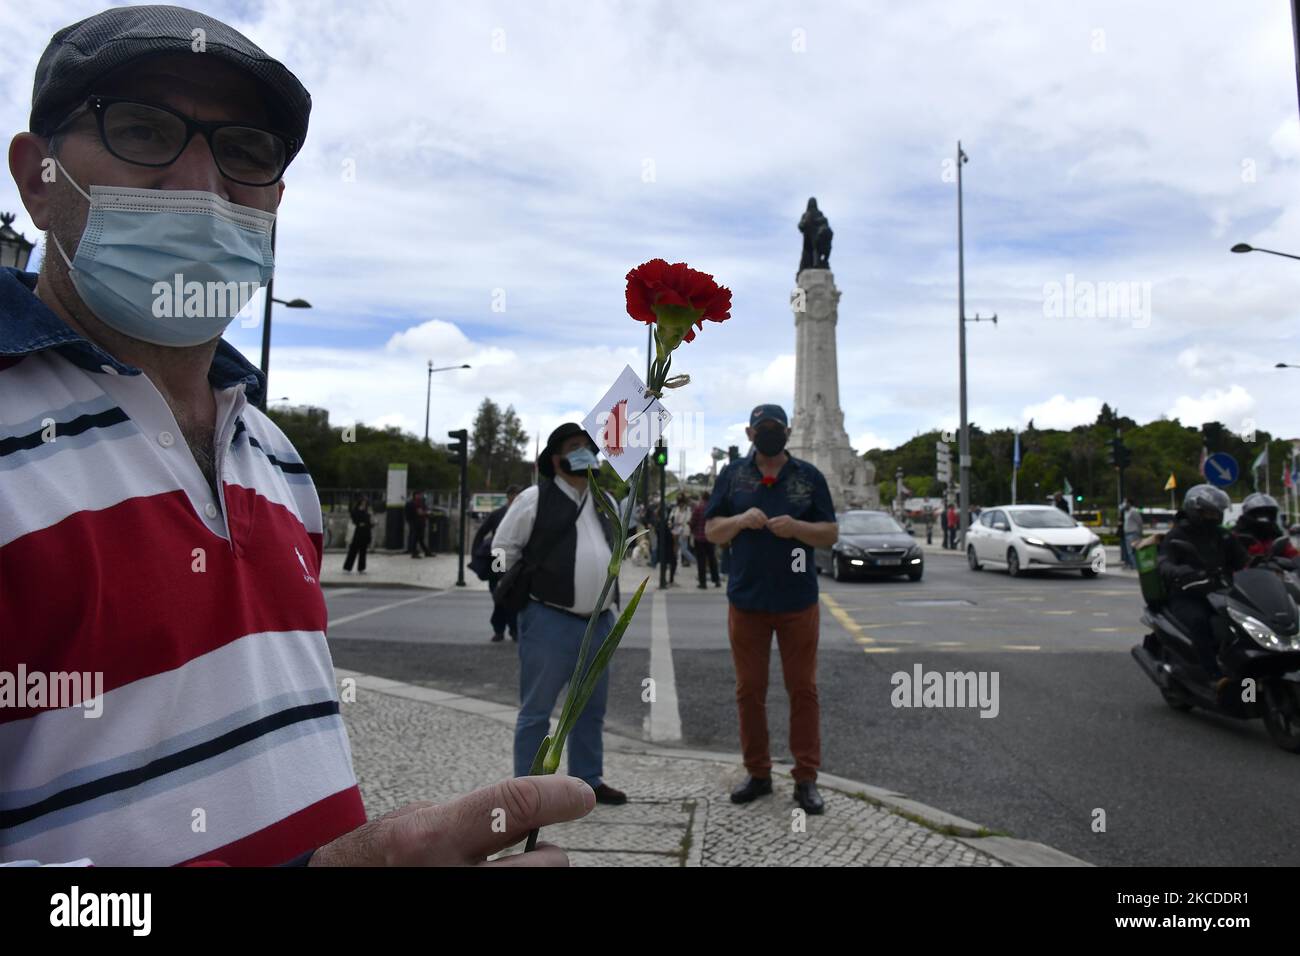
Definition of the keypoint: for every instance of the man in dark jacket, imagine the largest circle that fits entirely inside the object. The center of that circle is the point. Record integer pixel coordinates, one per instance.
(484, 562)
(416, 513)
(1198, 556)
(361, 517)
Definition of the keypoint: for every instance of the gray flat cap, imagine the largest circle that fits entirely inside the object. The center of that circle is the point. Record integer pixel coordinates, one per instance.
(81, 54)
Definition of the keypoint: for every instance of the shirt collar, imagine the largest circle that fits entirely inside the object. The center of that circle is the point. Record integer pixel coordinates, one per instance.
(790, 462)
(27, 326)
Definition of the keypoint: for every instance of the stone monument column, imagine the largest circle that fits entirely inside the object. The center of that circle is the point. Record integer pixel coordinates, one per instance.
(817, 429)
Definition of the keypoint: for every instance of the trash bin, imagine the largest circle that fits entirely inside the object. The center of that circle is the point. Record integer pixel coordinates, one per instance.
(439, 530)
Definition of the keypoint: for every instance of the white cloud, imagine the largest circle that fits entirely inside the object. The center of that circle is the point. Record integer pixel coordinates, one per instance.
(1229, 406)
(1061, 412)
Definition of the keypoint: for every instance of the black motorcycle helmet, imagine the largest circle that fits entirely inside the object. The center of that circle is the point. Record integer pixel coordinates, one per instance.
(1259, 514)
(1206, 504)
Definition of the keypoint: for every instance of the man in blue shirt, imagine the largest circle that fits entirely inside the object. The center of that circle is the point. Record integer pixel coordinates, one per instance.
(774, 510)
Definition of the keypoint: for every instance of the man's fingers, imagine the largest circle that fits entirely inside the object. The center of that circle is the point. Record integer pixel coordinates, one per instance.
(546, 854)
(488, 820)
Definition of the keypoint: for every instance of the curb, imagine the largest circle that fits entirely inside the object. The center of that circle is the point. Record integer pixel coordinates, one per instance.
(1007, 850)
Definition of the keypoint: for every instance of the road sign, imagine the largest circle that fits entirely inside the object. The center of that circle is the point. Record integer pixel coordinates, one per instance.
(941, 447)
(1221, 469)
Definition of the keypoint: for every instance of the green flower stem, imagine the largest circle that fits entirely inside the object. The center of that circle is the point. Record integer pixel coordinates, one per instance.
(583, 682)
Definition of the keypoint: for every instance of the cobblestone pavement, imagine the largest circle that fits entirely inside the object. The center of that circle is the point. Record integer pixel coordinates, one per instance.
(413, 743)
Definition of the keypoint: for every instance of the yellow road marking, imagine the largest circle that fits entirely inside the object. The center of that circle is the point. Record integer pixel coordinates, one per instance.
(949, 644)
(1021, 647)
(1058, 612)
(1105, 630)
(879, 650)
(846, 622)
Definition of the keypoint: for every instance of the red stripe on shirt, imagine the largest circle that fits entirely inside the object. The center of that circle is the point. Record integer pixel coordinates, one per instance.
(117, 590)
(308, 829)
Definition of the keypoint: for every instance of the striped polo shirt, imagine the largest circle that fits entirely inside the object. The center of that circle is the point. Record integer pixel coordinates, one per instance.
(219, 736)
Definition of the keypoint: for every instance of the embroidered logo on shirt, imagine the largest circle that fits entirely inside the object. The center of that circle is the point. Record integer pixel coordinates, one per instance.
(306, 575)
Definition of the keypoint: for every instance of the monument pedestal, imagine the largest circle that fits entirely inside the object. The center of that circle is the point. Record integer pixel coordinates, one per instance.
(817, 430)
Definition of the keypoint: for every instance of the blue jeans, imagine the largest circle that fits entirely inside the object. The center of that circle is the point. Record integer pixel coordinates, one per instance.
(549, 641)
(1131, 538)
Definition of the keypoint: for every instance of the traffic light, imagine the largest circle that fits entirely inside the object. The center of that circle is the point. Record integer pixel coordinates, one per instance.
(732, 453)
(1121, 456)
(457, 449)
(1125, 456)
(661, 454)
(1078, 498)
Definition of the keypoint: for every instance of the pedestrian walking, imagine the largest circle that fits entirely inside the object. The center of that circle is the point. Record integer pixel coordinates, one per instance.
(682, 530)
(953, 526)
(774, 510)
(929, 526)
(362, 520)
(1132, 532)
(705, 553)
(416, 513)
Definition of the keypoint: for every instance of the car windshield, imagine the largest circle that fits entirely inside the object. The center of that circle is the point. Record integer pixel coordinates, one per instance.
(869, 524)
(1048, 518)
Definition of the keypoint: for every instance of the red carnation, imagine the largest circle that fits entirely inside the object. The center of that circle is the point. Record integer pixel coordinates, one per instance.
(674, 297)
(768, 480)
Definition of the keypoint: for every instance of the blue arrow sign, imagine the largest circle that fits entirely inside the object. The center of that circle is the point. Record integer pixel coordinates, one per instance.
(1221, 469)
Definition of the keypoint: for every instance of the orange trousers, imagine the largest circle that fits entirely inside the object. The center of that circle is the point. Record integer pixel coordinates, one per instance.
(751, 646)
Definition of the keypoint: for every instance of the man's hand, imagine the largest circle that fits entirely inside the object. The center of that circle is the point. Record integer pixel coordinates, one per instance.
(753, 519)
(783, 526)
(466, 831)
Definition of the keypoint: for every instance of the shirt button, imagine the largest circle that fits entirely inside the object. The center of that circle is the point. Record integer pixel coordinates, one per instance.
(166, 439)
(210, 510)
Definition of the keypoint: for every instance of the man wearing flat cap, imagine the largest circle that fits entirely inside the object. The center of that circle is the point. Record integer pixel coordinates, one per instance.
(156, 529)
(567, 542)
(774, 510)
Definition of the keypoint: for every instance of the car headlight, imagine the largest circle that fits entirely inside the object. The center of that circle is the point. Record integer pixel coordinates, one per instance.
(1261, 633)
(851, 550)
(1036, 542)
(1093, 540)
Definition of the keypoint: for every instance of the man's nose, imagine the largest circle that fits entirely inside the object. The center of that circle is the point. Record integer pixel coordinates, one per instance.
(195, 168)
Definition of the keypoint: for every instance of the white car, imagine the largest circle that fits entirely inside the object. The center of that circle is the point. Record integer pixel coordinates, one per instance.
(1033, 537)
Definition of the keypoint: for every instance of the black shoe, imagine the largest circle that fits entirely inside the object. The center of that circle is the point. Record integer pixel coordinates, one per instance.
(498, 637)
(806, 795)
(703, 587)
(751, 789)
(607, 794)
(514, 637)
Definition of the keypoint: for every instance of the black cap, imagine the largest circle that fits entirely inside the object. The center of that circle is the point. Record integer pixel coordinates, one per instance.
(558, 438)
(80, 55)
(768, 413)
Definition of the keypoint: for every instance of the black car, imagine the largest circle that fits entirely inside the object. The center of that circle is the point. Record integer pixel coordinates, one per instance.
(871, 543)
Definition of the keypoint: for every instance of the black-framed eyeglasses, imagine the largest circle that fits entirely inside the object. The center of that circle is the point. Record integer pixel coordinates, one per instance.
(149, 135)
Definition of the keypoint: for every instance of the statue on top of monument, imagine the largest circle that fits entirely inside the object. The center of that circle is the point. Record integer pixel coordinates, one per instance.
(816, 238)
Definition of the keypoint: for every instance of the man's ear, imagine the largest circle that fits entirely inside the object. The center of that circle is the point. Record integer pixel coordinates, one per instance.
(29, 160)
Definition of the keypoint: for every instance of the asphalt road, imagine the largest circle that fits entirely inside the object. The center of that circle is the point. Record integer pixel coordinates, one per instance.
(1079, 728)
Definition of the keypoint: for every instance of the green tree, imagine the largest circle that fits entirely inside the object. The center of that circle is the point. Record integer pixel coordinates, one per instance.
(485, 439)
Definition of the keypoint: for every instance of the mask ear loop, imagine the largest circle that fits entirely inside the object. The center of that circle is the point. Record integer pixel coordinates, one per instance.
(58, 245)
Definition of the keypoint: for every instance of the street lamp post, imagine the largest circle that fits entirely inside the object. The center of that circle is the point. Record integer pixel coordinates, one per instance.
(1243, 247)
(266, 323)
(963, 448)
(15, 250)
(428, 393)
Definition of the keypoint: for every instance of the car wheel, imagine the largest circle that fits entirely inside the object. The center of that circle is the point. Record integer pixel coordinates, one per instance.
(916, 575)
(837, 568)
(1089, 573)
(972, 560)
(1013, 563)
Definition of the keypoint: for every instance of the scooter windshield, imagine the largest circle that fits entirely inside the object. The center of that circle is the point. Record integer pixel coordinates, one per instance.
(1267, 598)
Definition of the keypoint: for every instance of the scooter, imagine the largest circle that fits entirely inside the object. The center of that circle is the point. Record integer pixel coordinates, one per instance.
(1257, 620)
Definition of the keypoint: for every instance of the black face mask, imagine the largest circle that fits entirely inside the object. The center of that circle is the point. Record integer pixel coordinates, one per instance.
(770, 441)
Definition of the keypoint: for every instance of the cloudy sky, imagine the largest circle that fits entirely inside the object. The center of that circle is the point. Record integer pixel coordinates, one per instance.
(479, 177)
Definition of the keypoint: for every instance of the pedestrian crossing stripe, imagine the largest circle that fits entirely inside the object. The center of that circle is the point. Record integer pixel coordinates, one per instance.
(1022, 647)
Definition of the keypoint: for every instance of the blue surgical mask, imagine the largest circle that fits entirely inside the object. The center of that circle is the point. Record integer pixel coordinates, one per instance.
(579, 460)
(171, 267)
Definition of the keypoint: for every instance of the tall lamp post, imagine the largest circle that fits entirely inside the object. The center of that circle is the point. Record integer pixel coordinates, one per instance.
(963, 488)
(428, 393)
(15, 250)
(266, 323)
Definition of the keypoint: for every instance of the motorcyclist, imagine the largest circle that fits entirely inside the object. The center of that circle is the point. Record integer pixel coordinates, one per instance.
(1257, 528)
(1198, 556)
